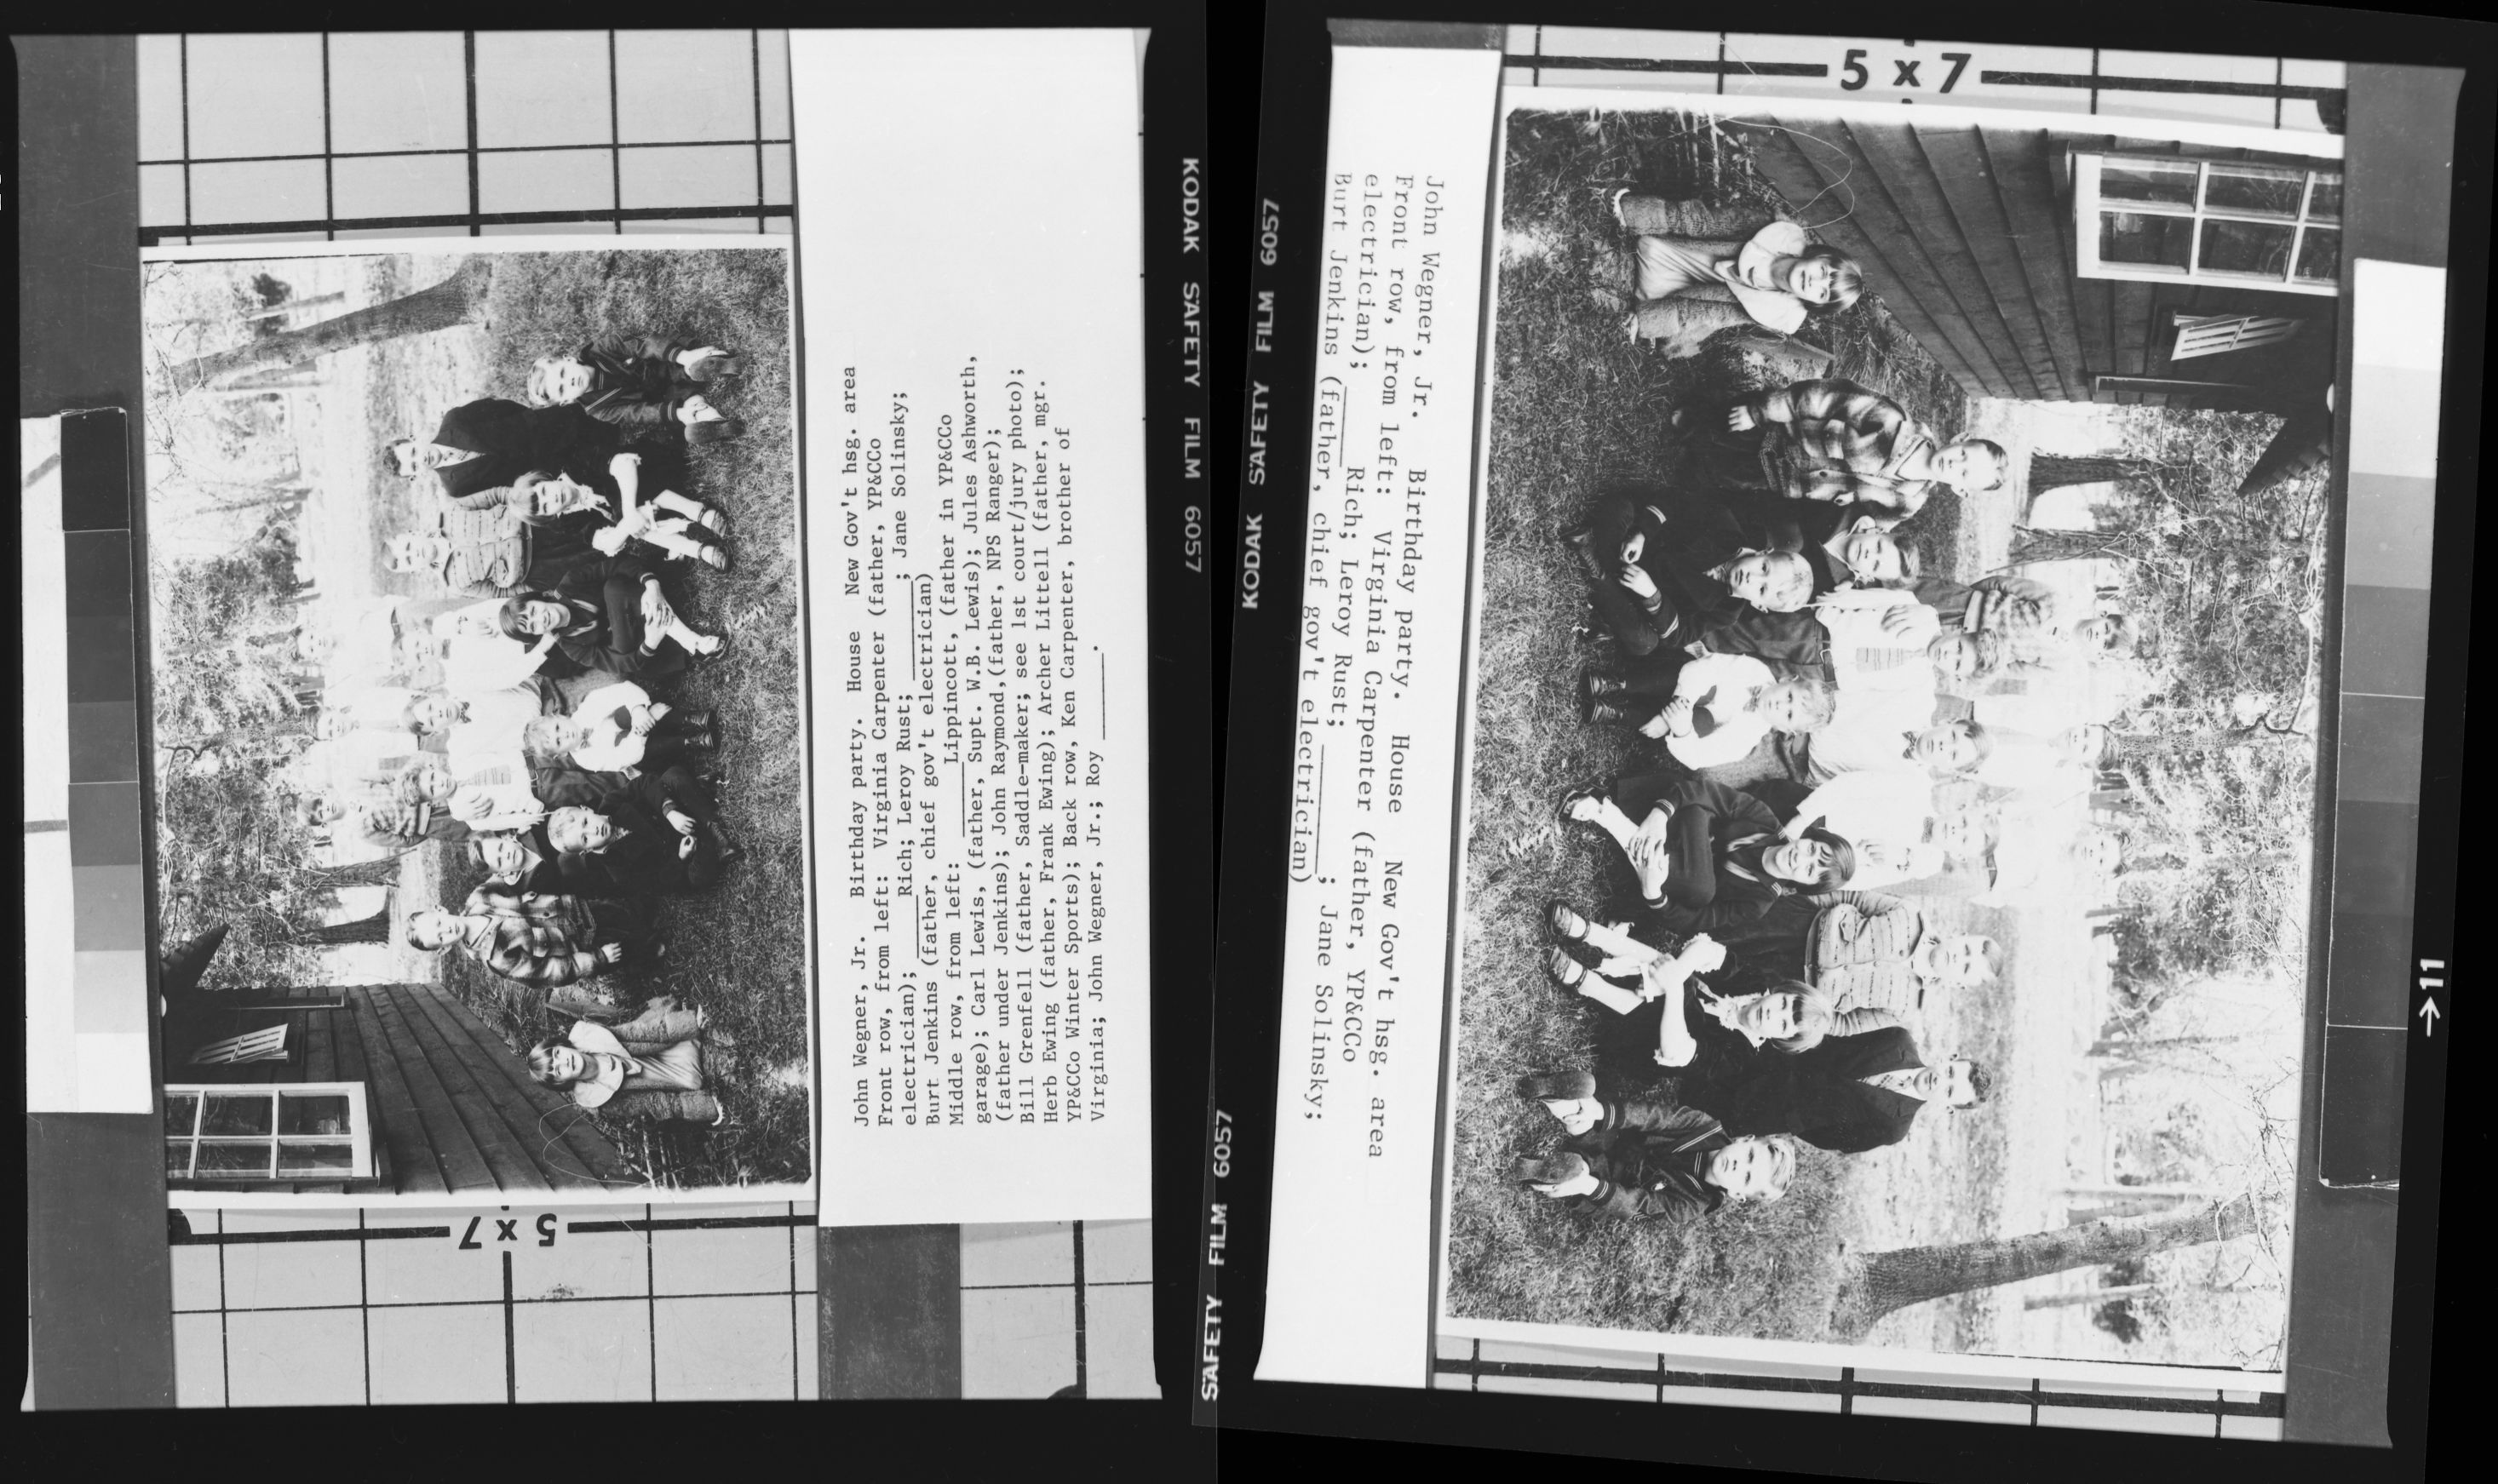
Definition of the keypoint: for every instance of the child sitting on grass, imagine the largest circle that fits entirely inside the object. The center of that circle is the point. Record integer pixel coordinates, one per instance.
(619, 727)
(1709, 858)
(1721, 706)
(639, 382)
(1644, 1160)
(610, 515)
(1685, 290)
(1663, 1017)
(658, 1051)
(531, 937)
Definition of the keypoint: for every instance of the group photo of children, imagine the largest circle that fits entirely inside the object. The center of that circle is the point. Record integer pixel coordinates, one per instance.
(476, 590)
(1891, 789)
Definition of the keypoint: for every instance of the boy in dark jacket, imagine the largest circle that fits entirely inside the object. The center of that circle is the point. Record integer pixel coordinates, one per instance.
(640, 383)
(656, 836)
(493, 441)
(1848, 1094)
(1647, 1159)
(1709, 858)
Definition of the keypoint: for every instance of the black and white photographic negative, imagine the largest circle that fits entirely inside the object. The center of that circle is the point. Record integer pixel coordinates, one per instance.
(1892, 780)
(480, 819)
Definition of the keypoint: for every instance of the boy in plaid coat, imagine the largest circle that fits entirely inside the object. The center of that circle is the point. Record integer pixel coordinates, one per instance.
(528, 937)
(1832, 440)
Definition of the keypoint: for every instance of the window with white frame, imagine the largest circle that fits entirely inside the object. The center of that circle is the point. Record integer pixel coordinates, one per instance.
(2161, 219)
(298, 1130)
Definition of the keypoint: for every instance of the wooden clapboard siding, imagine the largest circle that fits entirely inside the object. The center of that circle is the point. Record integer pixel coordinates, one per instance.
(320, 1045)
(2130, 310)
(568, 1148)
(397, 1119)
(1893, 159)
(504, 1149)
(1872, 230)
(501, 1079)
(464, 1164)
(348, 1042)
(1966, 234)
(1956, 162)
(2040, 223)
(1886, 277)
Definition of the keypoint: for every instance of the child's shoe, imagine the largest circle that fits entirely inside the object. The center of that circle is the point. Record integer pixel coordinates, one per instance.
(1560, 1169)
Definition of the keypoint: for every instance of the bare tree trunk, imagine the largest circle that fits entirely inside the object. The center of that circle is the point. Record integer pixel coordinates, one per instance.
(2147, 1206)
(2132, 1049)
(2086, 1295)
(364, 929)
(1879, 1283)
(455, 300)
(2141, 1192)
(274, 379)
(2031, 543)
(2054, 471)
(290, 305)
(2301, 447)
(382, 871)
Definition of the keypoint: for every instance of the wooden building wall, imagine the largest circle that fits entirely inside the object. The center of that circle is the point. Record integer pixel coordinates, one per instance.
(1966, 232)
(452, 1110)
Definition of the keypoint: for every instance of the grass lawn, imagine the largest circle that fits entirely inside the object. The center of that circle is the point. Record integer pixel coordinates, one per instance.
(1577, 405)
(739, 950)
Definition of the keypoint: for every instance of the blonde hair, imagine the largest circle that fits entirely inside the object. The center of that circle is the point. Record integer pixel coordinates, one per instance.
(1821, 702)
(1782, 1168)
(540, 390)
(538, 737)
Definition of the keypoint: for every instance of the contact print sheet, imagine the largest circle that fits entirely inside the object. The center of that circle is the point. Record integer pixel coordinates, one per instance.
(610, 651)
(1820, 598)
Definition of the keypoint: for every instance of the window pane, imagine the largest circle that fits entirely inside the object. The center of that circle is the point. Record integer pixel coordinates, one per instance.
(2319, 255)
(316, 1158)
(178, 1158)
(2324, 202)
(235, 1161)
(313, 1112)
(2246, 247)
(236, 1113)
(182, 1110)
(2147, 181)
(2266, 192)
(2145, 241)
